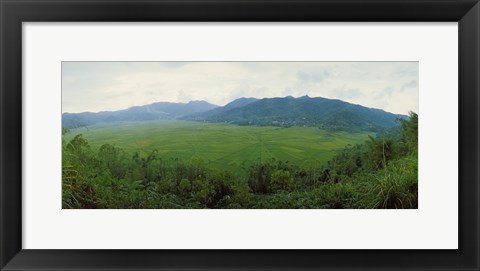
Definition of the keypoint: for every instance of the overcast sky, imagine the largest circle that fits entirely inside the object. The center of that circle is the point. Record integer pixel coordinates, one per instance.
(100, 86)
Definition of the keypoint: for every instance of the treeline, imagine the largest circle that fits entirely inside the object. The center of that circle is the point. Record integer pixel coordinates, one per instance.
(382, 173)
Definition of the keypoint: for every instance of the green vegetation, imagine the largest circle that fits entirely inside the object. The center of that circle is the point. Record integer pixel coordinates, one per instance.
(221, 146)
(327, 114)
(205, 165)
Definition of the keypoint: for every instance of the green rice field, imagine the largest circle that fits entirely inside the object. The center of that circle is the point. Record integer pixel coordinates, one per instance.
(222, 145)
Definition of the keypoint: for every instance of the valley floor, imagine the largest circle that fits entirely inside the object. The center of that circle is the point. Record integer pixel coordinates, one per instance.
(222, 146)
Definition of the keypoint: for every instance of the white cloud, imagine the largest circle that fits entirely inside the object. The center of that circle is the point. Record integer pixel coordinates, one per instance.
(98, 86)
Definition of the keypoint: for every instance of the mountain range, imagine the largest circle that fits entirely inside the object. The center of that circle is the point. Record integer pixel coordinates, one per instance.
(331, 114)
(154, 111)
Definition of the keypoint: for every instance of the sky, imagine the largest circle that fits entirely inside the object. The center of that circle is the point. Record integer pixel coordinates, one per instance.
(106, 86)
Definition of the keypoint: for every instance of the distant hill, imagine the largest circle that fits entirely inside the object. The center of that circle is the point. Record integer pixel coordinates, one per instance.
(288, 111)
(329, 114)
(155, 111)
(219, 110)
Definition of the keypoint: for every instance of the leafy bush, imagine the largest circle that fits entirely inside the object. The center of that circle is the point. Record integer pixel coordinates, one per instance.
(184, 186)
(282, 180)
(259, 177)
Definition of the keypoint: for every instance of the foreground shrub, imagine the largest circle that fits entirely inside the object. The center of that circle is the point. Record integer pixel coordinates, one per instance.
(282, 180)
(214, 191)
(395, 187)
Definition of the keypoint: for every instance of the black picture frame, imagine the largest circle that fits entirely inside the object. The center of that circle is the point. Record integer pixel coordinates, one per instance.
(14, 12)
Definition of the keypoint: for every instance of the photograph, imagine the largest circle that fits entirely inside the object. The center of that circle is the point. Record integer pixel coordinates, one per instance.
(239, 135)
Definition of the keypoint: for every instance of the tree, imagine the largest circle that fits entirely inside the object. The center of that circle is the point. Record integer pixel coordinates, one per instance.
(111, 159)
(410, 131)
(77, 151)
